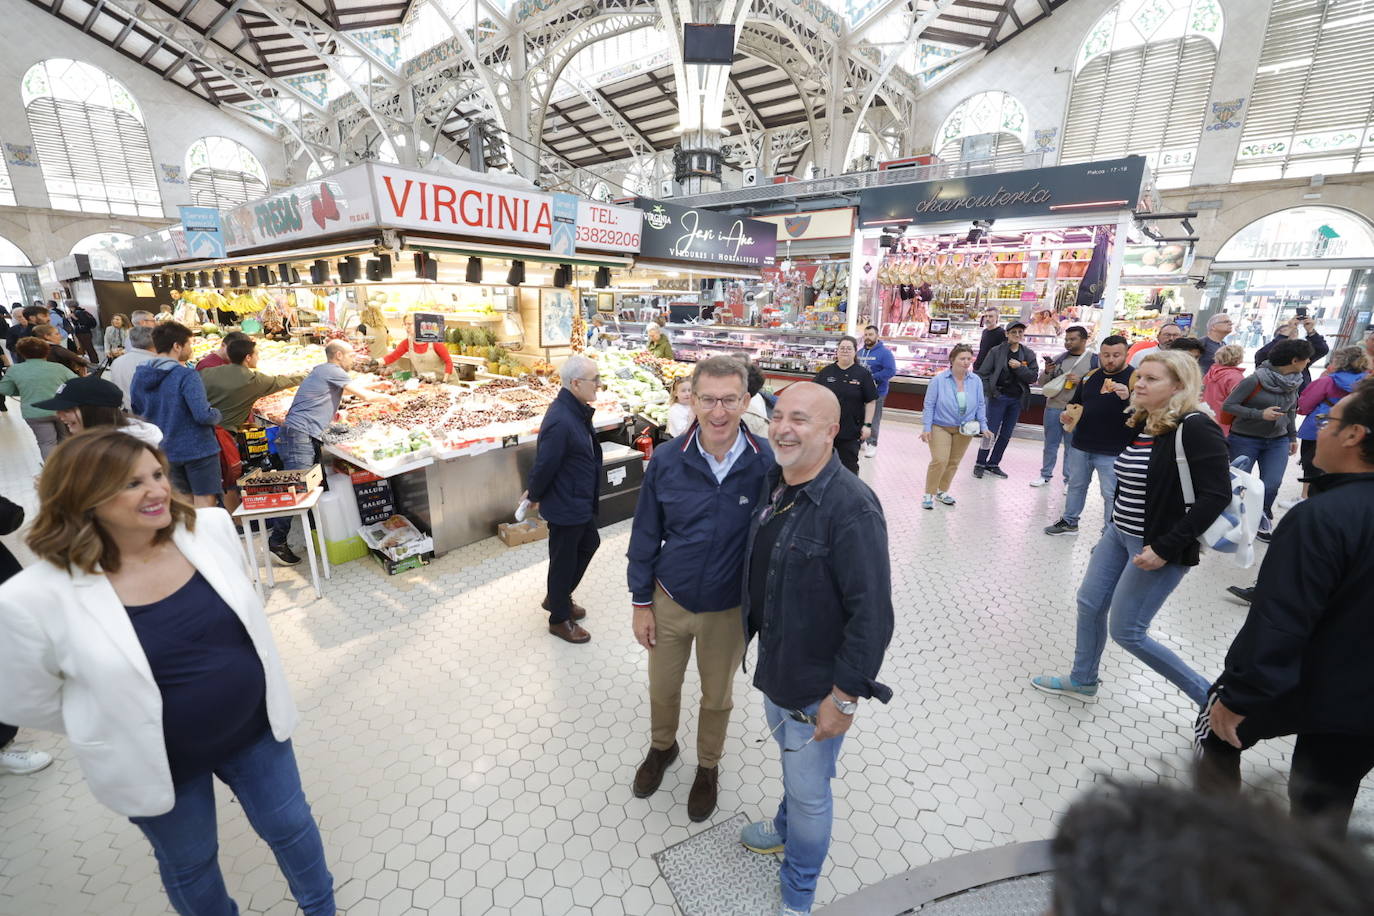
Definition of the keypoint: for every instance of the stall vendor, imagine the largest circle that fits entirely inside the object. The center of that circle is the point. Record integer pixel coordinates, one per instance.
(658, 343)
(422, 357)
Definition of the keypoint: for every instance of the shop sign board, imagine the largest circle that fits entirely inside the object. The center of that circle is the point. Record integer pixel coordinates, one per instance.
(563, 239)
(1085, 188)
(160, 247)
(674, 233)
(326, 206)
(429, 327)
(835, 223)
(441, 203)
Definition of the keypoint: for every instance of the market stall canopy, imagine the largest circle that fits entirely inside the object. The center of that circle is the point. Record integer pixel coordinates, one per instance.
(366, 199)
(1063, 190)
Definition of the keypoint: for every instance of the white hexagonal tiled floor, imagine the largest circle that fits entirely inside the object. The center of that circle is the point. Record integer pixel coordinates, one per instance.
(461, 760)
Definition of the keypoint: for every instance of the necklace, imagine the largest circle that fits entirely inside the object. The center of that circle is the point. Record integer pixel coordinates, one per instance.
(773, 511)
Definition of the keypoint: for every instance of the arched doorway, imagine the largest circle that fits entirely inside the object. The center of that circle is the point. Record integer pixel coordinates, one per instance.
(1317, 261)
(18, 277)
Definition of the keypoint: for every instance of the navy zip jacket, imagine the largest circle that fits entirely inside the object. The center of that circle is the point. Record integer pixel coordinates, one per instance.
(566, 476)
(689, 531)
(1304, 649)
(827, 614)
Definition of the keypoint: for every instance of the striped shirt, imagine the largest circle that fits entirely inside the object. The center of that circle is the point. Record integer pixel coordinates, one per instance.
(1128, 511)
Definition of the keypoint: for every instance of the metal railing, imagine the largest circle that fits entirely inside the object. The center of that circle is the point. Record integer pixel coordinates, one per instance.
(854, 182)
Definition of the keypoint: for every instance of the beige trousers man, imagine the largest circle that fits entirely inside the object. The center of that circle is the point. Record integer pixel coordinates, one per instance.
(719, 638)
(947, 447)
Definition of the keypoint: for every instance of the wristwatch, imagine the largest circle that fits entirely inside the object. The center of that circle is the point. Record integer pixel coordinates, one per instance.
(869, 425)
(848, 707)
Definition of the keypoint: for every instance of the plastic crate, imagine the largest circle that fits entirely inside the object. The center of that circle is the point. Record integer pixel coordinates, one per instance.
(345, 551)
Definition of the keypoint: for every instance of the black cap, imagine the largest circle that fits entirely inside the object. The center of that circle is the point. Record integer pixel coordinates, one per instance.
(1016, 324)
(84, 391)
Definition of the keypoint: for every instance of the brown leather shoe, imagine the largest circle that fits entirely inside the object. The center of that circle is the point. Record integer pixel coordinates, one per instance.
(578, 611)
(649, 776)
(569, 632)
(702, 800)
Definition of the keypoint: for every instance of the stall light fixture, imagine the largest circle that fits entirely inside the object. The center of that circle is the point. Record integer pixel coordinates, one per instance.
(603, 278)
(217, 278)
(203, 280)
(474, 271)
(560, 278)
(284, 271)
(234, 278)
(517, 273)
(384, 260)
(426, 267)
(295, 276)
(252, 276)
(319, 272)
(349, 269)
(374, 269)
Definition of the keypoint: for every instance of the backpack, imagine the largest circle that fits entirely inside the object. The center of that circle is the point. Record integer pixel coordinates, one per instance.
(1235, 529)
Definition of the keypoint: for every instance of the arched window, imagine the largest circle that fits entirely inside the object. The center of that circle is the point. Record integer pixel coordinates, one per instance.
(223, 173)
(99, 240)
(90, 139)
(1311, 110)
(1301, 233)
(1141, 84)
(982, 126)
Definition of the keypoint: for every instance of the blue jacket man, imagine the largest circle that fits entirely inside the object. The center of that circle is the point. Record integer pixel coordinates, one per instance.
(565, 484)
(880, 362)
(686, 571)
(170, 394)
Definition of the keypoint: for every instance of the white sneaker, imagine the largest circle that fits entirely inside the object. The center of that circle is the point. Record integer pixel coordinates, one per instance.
(1290, 503)
(21, 763)
(1042, 482)
(870, 450)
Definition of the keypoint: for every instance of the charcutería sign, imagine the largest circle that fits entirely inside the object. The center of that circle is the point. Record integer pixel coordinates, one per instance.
(1089, 187)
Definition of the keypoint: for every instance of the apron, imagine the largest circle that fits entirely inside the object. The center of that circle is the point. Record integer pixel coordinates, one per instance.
(428, 361)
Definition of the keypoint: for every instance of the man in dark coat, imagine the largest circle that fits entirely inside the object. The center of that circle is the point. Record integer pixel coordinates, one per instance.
(564, 485)
(1300, 664)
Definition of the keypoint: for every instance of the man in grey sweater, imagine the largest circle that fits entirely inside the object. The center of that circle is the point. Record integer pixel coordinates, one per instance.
(1265, 429)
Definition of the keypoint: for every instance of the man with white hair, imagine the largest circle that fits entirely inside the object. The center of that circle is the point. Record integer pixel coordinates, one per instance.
(138, 352)
(564, 485)
(1219, 327)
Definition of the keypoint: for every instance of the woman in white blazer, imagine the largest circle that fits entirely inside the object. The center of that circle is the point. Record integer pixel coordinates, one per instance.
(138, 635)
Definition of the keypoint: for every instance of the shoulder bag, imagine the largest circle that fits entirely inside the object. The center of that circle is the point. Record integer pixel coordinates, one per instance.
(1234, 531)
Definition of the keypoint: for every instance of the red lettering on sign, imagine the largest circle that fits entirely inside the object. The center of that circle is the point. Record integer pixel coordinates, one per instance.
(509, 209)
(444, 196)
(474, 219)
(424, 214)
(398, 208)
(544, 221)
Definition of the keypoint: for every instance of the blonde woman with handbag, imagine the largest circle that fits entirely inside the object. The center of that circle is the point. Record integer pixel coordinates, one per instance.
(954, 414)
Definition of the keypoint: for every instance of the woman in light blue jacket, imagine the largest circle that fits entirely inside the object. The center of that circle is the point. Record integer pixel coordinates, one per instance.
(955, 412)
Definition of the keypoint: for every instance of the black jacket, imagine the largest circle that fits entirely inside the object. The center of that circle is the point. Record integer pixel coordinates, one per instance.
(995, 366)
(566, 476)
(1172, 529)
(1102, 429)
(1319, 349)
(1308, 638)
(827, 615)
(11, 517)
(989, 339)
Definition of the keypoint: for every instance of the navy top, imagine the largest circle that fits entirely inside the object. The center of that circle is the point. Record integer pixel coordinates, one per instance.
(214, 694)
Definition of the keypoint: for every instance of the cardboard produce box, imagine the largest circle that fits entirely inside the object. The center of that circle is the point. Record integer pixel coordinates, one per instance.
(396, 538)
(513, 534)
(278, 489)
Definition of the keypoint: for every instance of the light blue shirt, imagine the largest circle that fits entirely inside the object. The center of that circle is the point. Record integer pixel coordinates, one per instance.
(722, 468)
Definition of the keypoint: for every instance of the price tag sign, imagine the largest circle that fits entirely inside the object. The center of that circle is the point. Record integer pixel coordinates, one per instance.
(429, 327)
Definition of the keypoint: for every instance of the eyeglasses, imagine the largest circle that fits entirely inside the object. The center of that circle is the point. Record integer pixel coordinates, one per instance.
(1322, 422)
(795, 715)
(730, 402)
(595, 380)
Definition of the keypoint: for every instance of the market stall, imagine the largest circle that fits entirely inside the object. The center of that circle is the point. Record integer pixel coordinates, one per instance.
(1045, 245)
(466, 286)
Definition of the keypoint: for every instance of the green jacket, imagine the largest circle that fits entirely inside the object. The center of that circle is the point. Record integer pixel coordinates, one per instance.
(32, 381)
(233, 389)
(662, 349)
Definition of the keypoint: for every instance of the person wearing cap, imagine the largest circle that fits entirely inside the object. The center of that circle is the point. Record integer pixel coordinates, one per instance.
(89, 402)
(1008, 374)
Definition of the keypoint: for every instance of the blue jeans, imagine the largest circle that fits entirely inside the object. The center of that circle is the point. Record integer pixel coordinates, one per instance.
(185, 840)
(1055, 434)
(296, 451)
(1270, 456)
(1081, 465)
(1003, 412)
(1132, 596)
(807, 808)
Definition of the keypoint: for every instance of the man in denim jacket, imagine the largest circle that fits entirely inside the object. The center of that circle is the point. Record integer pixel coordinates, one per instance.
(818, 592)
